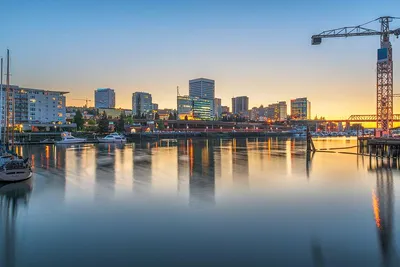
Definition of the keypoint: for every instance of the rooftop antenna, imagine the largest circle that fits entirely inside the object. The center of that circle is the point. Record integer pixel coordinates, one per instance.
(177, 91)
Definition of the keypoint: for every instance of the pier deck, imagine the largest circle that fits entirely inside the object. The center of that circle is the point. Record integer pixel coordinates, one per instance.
(380, 147)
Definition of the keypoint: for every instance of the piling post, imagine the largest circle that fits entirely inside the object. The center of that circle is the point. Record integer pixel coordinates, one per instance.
(310, 144)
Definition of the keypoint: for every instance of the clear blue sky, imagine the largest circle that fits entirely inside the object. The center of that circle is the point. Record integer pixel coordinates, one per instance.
(256, 48)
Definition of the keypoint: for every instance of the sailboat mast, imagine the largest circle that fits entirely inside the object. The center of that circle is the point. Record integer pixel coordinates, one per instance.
(8, 97)
(1, 99)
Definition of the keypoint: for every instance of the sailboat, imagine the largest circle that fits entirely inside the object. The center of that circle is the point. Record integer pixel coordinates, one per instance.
(13, 168)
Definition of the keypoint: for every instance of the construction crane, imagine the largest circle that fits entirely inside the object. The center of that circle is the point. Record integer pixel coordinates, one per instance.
(384, 85)
(86, 101)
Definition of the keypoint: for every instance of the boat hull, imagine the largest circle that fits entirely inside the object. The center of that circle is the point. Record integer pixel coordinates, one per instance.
(101, 140)
(15, 175)
(75, 141)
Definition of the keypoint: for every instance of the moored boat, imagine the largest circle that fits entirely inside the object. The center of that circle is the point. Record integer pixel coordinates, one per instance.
(67, 138)
(112, 138)
(15, 170)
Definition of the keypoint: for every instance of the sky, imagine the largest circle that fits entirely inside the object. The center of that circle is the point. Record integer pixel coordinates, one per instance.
(261, 49)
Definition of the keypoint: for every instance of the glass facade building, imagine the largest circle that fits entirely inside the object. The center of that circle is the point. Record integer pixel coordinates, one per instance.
(142, 104)
(217, 108)
(104, 98)
(203, 88)
(240, 105)
(202, 108)
(184, 107)
(194, 108)
(300, 109)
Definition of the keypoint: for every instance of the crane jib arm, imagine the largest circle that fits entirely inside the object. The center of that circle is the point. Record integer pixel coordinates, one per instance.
(344, 32)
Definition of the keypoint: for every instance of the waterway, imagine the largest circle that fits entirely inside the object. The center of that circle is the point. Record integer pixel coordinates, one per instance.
(240, 202)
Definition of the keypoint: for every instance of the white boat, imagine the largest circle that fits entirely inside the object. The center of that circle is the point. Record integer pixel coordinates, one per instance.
(67, 138)
(300, 135)
(113, 138)
(15, 170)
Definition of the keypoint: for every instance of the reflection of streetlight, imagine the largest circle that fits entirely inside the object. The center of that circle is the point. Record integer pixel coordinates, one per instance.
(55, 128)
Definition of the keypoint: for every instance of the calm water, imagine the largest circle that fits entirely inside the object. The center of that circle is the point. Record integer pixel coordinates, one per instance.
(201, 203)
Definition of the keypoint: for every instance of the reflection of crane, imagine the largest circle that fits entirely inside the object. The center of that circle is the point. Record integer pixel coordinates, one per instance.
(383, 208)
(86, 101)
(384, 100)
(383, 211)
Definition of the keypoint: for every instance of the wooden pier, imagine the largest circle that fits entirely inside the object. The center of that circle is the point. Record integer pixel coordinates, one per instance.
(379, 147)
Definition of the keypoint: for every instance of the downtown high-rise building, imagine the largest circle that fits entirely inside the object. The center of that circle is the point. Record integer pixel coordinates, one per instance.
(217, 107)
(282, 106)
(194, 108)
(300, 109)
(104, 98)
(203, 88)
(240, 105)
(142, 104)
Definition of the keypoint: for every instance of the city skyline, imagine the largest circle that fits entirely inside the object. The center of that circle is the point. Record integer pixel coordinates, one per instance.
(145, 46)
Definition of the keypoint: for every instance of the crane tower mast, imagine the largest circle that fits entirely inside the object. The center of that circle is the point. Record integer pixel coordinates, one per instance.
(384, 85)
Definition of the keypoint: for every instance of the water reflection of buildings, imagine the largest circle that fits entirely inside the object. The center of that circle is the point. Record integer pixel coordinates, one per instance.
(201, 174)
(12, 197)
(105, 169)
(142, 173)
(49, 162)
(383, 204)
(240, 163)
(183, 166)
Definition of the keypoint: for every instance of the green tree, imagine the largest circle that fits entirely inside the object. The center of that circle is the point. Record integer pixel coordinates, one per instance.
(78, 119)
(121, 123)
(170, 117)
(103, 123)
(156, 116)
(129, 120)
(91, 122)
(160, 125)
(175, 116)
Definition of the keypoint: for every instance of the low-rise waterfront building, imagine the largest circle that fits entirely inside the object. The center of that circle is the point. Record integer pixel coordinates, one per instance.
(35, 105)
